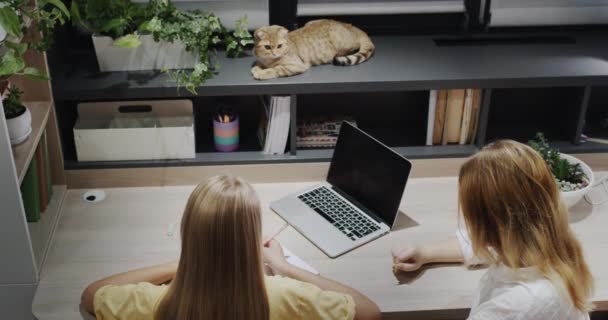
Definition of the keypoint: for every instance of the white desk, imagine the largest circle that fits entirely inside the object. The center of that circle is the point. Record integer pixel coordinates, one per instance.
(129, 230)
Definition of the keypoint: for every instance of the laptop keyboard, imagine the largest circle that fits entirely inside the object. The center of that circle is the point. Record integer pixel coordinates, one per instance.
(339, 213)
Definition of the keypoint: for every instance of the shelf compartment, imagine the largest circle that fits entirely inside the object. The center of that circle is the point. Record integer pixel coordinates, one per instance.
(23, 153)
(248, 108)
(519, 114)
(398, 119)
(596, 120)
(41, 232)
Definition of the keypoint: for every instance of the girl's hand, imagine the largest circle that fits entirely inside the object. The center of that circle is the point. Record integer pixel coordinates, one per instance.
(273, 256)
(407, 258)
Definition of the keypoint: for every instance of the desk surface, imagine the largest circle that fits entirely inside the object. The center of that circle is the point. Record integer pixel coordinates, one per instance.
(130, 229)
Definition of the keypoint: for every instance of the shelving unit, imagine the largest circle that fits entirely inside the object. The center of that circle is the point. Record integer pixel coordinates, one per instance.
(527, 88)
(24, 245)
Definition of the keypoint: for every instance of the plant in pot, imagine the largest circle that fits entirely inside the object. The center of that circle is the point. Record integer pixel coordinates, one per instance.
(19, 23)
(157, 36)
(18, 117)
(573, 176)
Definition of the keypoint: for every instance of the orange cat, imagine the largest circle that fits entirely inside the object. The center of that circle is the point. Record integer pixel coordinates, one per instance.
(281, 53)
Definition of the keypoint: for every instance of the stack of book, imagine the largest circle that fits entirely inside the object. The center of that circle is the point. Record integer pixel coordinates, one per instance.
(274, 124)
(453, 116)
(320, 132)
(37, 187)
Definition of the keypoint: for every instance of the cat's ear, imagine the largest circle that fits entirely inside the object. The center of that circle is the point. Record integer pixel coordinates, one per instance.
(259, 34)
(283, 33)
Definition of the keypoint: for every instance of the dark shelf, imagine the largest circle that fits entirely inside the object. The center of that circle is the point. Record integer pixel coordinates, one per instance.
(400, 63)
(255, 157)
(587, 147)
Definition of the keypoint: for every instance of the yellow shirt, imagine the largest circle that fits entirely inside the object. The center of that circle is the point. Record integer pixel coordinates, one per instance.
(287, 298)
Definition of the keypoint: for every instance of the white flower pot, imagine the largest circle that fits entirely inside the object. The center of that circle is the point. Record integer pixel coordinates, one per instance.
(571, 198)
(150, 55)
(20, 128)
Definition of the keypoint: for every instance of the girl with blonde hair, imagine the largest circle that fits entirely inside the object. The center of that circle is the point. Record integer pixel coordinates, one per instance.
(220, 273)
(515, 221)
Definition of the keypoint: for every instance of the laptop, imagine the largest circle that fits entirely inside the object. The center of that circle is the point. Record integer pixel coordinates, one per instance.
(359, 200)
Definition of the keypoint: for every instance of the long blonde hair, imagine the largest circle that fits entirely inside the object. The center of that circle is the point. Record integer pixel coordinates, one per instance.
(220, 273)
(513, 212)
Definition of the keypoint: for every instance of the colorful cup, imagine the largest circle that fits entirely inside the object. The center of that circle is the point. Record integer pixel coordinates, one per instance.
(226, 135)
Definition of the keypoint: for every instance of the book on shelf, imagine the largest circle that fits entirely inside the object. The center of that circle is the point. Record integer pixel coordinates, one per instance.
(431, 117)
(273, 131)
(47, 165)
(320, 132)
(454, 112)
(466, 116)
(29, 192)
(43, 196)
(454, 115)
(442, 99)
(36, 187)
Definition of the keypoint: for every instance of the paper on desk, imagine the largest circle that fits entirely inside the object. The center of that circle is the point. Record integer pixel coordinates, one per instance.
(296, 261)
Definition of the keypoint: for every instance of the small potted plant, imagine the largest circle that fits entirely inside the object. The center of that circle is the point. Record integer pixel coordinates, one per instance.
(573, 176)
(18, 117)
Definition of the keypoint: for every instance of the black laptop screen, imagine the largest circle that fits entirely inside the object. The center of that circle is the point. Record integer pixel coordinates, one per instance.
(369, 172)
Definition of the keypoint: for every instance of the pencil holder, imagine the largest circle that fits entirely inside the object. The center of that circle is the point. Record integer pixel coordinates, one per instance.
(226, 135)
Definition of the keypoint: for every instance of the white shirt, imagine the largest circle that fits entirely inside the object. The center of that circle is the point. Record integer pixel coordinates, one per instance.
(510, 294)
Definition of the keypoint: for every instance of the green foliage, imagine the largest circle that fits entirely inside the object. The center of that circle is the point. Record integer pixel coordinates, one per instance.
(12, 103)
(561, 168)
(201, 32)
(16, 16)
(113, 18)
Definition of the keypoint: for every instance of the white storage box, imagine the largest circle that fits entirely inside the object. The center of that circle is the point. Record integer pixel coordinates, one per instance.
(150, 55)
(135, 130)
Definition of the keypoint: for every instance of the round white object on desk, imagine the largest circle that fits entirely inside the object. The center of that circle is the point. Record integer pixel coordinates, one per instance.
(94, 196)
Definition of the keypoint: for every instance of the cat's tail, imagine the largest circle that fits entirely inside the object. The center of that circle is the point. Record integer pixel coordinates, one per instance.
(366, 51)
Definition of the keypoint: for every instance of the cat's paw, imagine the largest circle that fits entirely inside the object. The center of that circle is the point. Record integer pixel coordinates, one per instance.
(263, 74)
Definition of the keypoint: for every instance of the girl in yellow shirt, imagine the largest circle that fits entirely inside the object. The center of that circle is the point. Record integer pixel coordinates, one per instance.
(220, 274)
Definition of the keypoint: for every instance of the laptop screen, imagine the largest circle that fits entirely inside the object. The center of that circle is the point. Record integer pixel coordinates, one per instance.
(369, 172)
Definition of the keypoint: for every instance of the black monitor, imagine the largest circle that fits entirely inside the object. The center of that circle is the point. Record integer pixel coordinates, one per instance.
(368, 173)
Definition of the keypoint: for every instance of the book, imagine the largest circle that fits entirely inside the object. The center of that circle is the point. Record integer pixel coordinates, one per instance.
(431, 117)
(442, 99)
(453, 118)
(475, 115)
(40, 172)
(273, 131)
(29, 193)
(466, 116)
(47, 165)
(320, 132)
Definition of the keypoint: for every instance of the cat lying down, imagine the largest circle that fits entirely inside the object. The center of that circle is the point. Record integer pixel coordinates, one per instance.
(281, 53)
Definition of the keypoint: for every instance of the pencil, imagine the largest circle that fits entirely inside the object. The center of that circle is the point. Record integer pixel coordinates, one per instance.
(275, 234)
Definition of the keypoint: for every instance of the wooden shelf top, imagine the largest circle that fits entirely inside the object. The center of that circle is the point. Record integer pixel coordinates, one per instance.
(400, 63)
(24, 152)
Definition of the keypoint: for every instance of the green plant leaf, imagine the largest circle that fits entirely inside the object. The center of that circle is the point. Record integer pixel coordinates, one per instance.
(75, 13)
(9, 20)
(11, 64)
(129, 41)
(34, 74)
(20, 48)
(113, 24)
(60, 5)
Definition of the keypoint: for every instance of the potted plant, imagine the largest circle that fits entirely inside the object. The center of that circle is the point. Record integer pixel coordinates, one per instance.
(18, 117)
(157, 36)
(19, 21)
(573, 176)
